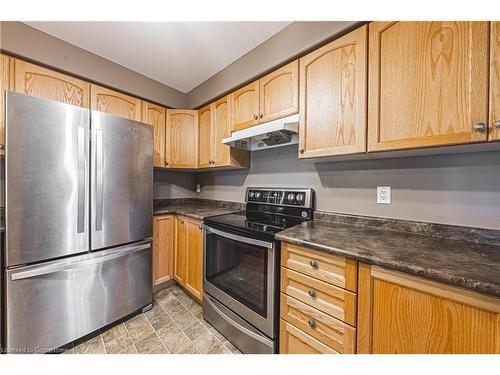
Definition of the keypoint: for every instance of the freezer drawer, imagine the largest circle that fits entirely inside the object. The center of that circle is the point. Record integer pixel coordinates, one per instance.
(52, 304)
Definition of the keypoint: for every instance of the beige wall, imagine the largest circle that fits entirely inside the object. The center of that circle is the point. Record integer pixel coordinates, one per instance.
(294, 40)
(173, 184)
(460, 189)
(29, 43)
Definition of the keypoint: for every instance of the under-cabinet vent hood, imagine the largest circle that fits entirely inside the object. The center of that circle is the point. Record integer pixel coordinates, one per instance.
(276, 133)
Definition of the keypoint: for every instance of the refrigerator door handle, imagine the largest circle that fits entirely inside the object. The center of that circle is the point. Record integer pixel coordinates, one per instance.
(99, 177)
(59, 266)
(81, 179)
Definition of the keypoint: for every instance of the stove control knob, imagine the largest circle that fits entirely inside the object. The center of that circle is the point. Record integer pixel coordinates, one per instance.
(291, 197)
(251, 194)
(257, 195)
(300, 197)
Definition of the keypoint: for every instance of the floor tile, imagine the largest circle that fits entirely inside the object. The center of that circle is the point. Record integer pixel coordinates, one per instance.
(193, 306)
(218, 348)
(205, 342)
(157, 316)
(191, 349)
(129, 350)
(151, 345)
(186, 320)
(139, 327)
(116, 339)
(217, 334)
(230, 346)
(93, 345)
(176, 343)
(195, 330)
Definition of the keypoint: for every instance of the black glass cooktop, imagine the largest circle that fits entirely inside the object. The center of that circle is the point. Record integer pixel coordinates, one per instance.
(261, 224)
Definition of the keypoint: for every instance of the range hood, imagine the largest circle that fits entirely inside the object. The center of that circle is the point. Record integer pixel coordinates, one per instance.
(282, 132)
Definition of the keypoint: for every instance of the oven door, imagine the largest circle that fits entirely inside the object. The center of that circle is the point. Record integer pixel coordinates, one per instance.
(239, 273)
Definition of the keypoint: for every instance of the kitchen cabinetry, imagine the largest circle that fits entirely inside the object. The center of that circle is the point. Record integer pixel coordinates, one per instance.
(5, 82)
(35, 80)
(271, 97)
(182, 138)
(189, 255)
(317, 302)
(494, 134)
(333, 95)
(115, 103)
(399, 313)
(428, 84)
(163, 249)
(214, 126)
(156, 116)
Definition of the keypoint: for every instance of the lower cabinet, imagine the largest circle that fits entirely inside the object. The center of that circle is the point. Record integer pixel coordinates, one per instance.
(295, 341)
(188, 270)
(163, 249)
(400, 313)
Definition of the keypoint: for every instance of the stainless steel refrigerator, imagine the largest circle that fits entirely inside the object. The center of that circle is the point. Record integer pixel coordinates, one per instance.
(78, 221)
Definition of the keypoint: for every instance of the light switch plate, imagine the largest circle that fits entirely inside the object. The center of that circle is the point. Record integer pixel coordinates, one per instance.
(384, 194)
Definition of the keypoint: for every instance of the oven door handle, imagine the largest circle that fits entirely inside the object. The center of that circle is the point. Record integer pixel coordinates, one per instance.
(251, 241)
(238, 326)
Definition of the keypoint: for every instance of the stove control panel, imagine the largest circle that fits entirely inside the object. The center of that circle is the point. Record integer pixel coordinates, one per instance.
(281, 197)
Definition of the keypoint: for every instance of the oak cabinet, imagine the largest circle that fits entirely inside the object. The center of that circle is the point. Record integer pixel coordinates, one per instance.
(5, 84)
(399, 313)
(163, 248)
(333, 96)
(155, 115)
(214, 126)
(115, 103)
(189, 255)
(495, 82)
(272, 97)
(428, 84)
(181, 138)
(38, 81)
(295, 341)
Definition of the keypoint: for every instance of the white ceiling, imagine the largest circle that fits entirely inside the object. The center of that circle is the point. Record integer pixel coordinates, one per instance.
(179, 54)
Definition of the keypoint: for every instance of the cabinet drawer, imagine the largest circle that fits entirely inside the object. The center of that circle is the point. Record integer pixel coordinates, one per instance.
(331, 269)
(330, 331)
(328, 298)
(294, 341)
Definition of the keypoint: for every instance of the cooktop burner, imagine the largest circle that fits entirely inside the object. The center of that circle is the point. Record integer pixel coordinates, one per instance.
(268, 212)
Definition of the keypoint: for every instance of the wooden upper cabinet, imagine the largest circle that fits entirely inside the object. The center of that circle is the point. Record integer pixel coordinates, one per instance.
(428, 84)
(495, 82)
(245, 106)
(182, 138)
(400, 313)
(205, 137)
(222, 129)
(333, 97)
(163, 248)
(5, 84)
(155, 115)
(279, 93)
(35, 80)
(115, 103)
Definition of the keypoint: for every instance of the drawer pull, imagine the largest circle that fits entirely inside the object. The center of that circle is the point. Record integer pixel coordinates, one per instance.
(312, 293)
(313, 264)
(311, 323)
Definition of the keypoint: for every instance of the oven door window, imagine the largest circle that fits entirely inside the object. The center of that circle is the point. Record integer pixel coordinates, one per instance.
(238, 269)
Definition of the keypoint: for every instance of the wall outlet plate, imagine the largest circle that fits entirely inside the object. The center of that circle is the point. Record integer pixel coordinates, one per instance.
(384, 194)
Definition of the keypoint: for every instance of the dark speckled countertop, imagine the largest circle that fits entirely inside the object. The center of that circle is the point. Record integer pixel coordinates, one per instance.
(474, 266)
(196, 208)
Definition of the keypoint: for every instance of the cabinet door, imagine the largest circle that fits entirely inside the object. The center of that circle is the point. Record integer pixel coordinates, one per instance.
(181, 238)
(194, 259)
(205, 136)
(182, 138)
(115, 103)
(495, 82)
(163, 248)
(294, 341)
(279, 93)
(4, 85)
(35, 80)
(428, 84)
(156, 116)
(222, 129)
(245, 106)
(333, 98)
(399, 313)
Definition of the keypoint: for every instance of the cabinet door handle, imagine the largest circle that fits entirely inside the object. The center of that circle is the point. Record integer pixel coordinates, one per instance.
(301, 150)
(497, 124)
(200, 226)
(311, 323)
(312, 293)
(261, 115)
(255, 117)
(313, 264)
(166, 163)
(480, 127)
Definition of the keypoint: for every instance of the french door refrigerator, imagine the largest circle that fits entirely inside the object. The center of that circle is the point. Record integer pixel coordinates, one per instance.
(78, 221)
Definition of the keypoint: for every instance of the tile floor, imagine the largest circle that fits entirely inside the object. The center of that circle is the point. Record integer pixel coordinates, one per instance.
(174, 325)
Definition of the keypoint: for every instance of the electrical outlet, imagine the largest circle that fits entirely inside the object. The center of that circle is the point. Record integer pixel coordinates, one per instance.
(384, 194)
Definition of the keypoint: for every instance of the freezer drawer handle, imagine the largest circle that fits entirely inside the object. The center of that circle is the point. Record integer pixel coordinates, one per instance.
(48, 269)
